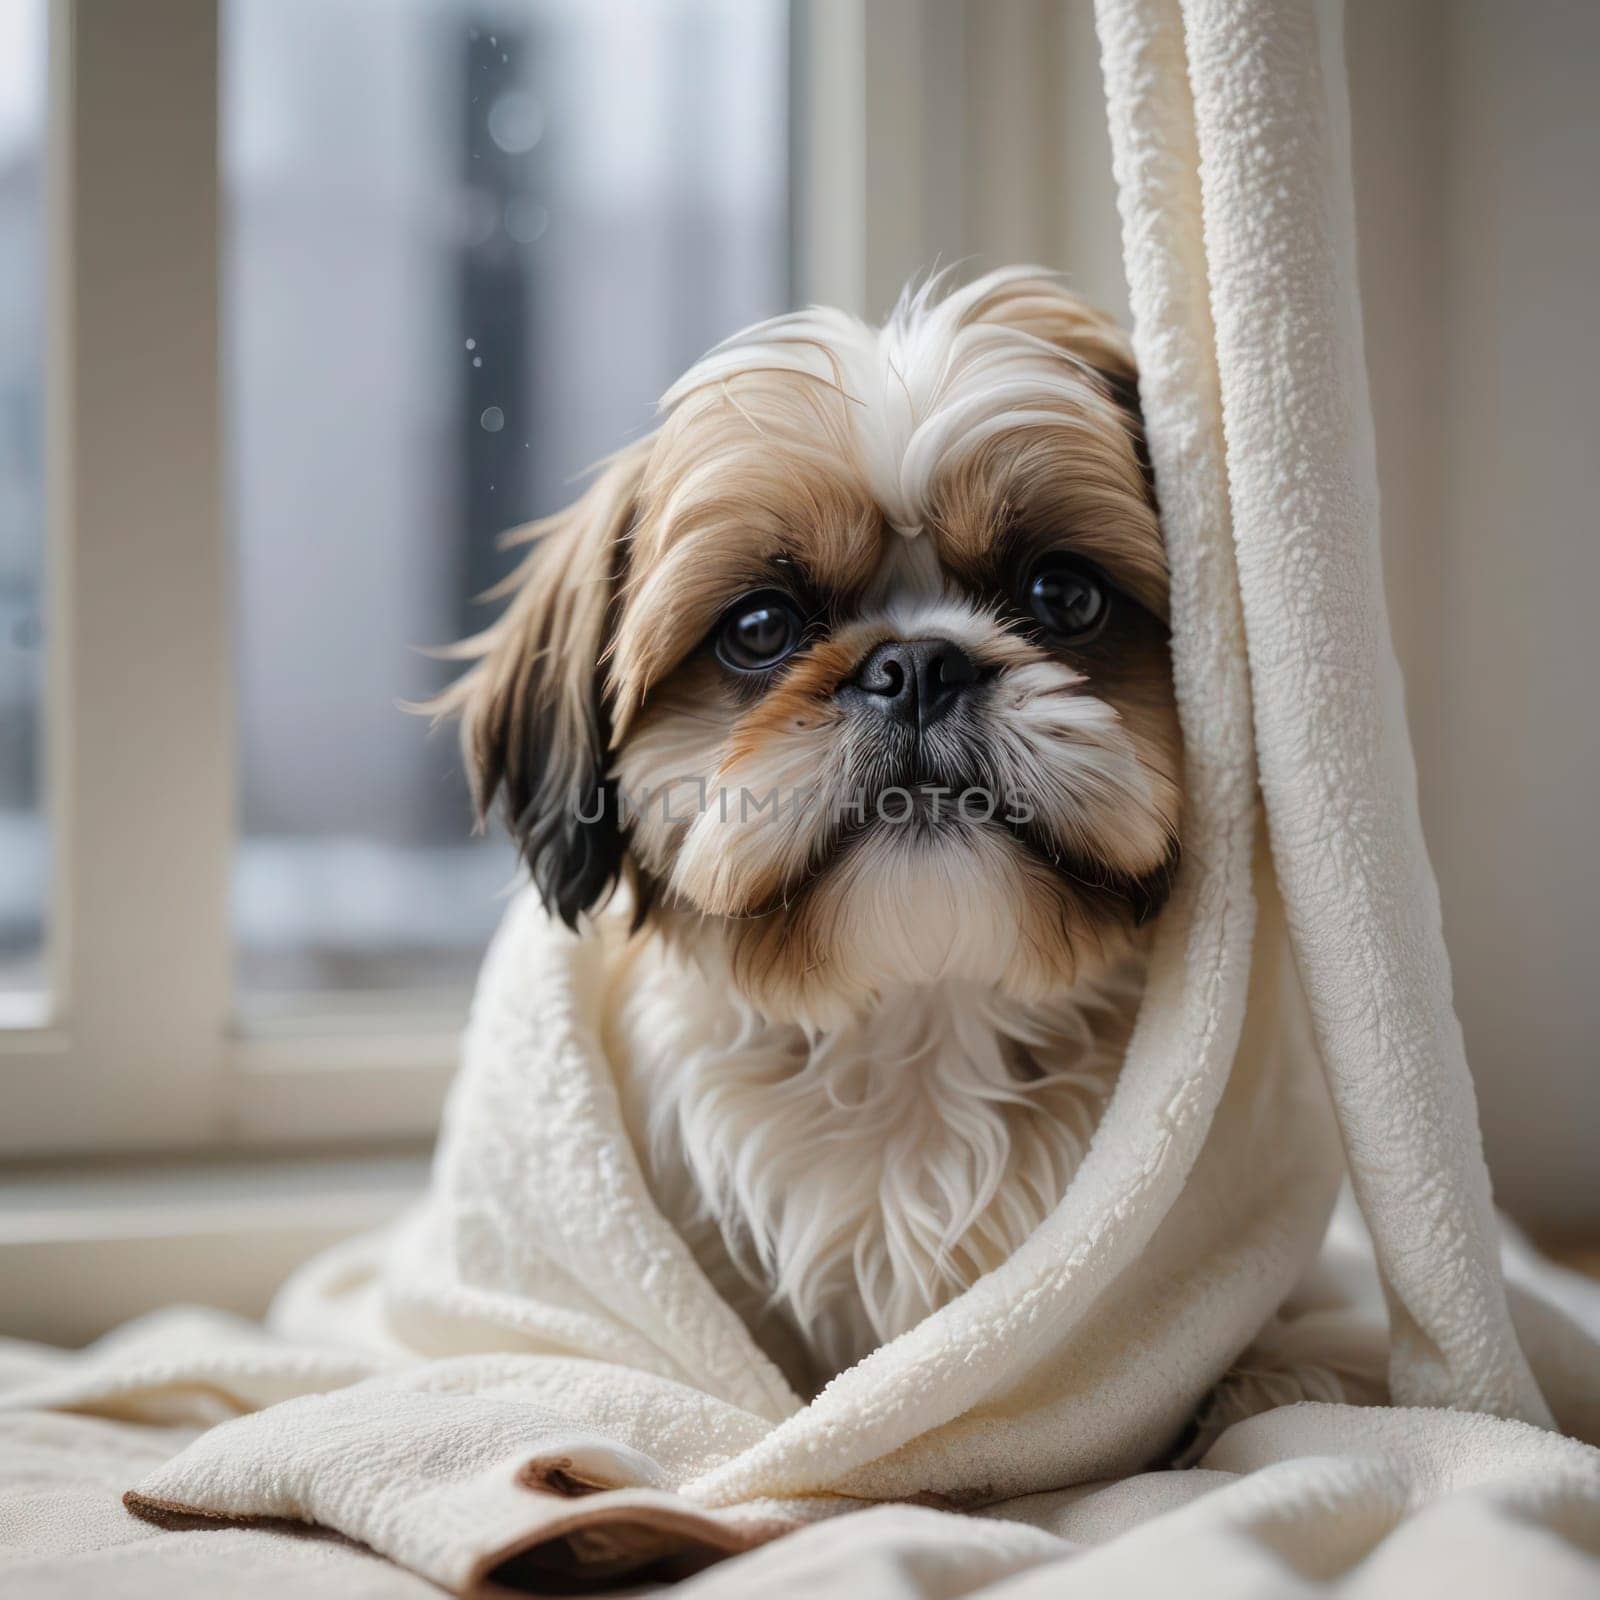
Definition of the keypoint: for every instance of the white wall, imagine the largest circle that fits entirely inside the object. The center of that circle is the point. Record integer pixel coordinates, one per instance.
(1477, 153)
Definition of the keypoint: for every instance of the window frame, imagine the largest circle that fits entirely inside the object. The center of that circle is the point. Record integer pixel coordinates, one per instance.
(140, 669)
(134, 580)
(139, 666)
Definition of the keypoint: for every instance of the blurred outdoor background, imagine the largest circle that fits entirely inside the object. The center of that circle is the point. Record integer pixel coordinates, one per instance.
(466, 247)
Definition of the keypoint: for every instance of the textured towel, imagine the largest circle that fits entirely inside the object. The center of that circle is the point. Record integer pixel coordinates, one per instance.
(532, 1369)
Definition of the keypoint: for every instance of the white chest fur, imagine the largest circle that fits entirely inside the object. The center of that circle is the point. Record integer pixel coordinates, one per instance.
(840, 1187)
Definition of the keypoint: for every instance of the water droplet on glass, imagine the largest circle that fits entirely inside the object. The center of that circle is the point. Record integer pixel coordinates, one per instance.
(477, 361)
(472, 344)
(492, 421)
(516, 121)
(526, 221)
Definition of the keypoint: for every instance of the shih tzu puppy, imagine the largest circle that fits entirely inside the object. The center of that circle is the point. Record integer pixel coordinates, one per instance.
(840, 708)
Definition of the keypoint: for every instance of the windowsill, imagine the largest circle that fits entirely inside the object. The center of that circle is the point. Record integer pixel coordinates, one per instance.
(83, 1246)
(24, 1008)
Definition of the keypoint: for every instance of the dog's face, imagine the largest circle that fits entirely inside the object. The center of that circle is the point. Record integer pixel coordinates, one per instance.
(859, 660)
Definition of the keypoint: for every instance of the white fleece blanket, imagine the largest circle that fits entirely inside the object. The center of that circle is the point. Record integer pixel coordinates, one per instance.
(531, 1375)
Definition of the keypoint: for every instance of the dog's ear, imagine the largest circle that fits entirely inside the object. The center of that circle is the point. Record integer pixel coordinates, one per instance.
(535, 721)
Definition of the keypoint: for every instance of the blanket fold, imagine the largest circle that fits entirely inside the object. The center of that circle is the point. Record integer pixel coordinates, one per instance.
(530, 1377)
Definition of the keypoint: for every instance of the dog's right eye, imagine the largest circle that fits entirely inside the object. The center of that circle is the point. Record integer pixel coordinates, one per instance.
(758, 632)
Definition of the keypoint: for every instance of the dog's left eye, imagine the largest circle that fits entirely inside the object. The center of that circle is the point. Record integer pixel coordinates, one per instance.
(1067, 597)
(758, 632)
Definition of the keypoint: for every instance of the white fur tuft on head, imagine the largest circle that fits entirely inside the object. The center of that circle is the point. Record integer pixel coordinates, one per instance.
(934, 383)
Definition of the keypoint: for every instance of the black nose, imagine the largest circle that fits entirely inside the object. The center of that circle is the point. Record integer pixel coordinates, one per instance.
(913, 681)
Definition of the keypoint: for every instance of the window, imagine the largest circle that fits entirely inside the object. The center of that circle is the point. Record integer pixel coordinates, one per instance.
(454, 277)
(24, 853)
(342, 290)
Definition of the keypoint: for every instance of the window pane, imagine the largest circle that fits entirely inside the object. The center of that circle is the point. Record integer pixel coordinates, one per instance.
(23, 845)
(469, 244)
